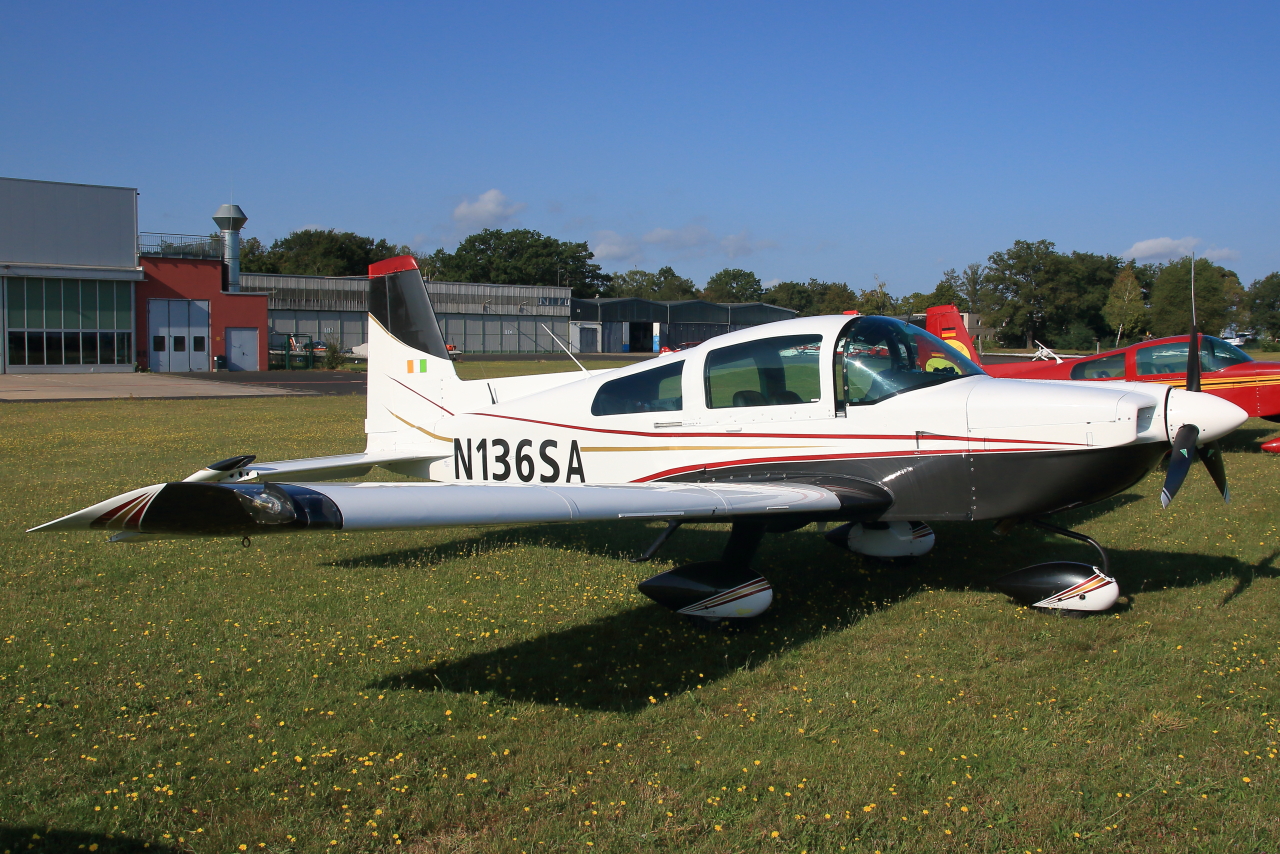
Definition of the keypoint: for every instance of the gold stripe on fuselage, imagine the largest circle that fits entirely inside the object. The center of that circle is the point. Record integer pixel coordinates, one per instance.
(1220, 383)
(420, 429)
(622, 449)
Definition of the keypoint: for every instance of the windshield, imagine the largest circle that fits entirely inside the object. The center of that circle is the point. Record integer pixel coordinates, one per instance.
(878, 357)
(1170, 357)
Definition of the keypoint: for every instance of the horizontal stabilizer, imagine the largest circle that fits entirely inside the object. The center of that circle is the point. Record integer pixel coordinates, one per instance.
(311, 469)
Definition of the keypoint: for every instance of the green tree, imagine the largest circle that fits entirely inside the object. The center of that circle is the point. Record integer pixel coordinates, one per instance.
(877, 300)
(951, 291)
(1264, 306)
(1125, 309)
(832, 297)
(1083, 288)
(433, 266)
(916, 303)
(974, 287)
(317, 252)
(732, 285)
(1023, 292)
(674, 287)
(1171, 298)
(521, 257)
(793, 295)
(662, 285)
(633, 283)
(812, 297)
(256, 258)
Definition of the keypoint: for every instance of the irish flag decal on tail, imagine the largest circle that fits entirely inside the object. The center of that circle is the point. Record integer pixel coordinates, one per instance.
(417, 366)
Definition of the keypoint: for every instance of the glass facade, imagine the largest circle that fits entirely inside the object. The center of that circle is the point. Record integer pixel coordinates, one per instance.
(68, 322)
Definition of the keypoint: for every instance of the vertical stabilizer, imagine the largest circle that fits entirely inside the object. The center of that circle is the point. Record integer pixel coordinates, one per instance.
(945, 322)
(412, 381)
(398, 300)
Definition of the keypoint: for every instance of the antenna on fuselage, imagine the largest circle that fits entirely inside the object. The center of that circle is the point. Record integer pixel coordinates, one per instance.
(562, 344)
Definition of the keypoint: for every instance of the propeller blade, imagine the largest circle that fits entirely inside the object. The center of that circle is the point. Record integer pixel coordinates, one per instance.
(1211, 456)
(1193, 361)
(1184, 449)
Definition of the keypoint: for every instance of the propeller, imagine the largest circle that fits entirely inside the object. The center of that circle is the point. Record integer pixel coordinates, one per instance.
(1184, 442)
(1184, 449)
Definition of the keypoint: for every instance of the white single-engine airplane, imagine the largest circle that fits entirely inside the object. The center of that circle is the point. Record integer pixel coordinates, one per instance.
(865, 421)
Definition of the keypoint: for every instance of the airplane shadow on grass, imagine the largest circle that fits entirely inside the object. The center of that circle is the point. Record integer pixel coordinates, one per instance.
(41, 840)
(628, 660)
(1247, 439)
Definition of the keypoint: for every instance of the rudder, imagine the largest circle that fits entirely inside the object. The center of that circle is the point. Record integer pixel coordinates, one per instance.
(945, 322)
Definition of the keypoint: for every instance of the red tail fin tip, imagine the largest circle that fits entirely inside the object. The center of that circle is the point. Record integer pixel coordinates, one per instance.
(392, 265)
(945, 322)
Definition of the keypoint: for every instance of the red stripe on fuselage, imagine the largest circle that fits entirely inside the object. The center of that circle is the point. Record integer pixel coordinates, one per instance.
(424, 397)
(812, 457)
(906, 437)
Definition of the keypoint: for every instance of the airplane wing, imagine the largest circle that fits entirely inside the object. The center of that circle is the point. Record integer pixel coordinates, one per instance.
(244, 509)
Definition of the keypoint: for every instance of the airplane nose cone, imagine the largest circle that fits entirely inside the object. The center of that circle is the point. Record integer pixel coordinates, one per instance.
(1214, 416)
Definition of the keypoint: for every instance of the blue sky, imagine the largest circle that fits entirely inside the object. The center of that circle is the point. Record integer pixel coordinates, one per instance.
(835, 141)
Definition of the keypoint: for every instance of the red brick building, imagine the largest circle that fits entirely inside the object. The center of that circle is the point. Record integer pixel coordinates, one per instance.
(186, 317)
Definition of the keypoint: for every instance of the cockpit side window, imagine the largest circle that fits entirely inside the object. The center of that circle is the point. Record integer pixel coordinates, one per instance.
(1170, 357)
(1107, 368)
(879, 357)
(782, 371)
(654, 390)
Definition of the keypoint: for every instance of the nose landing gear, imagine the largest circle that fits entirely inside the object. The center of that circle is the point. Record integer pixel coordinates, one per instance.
(1063, 585)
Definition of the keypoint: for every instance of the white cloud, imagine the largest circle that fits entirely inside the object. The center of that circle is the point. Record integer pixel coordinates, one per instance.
(690, 241)
(690, 237)
(612, 246)
(1161, 248)
(770, 283)
(1168, 249)
(737, 245)
(741, 245)
(489, 210)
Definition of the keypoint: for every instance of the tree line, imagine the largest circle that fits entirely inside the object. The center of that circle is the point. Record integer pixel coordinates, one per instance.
(1027, 293)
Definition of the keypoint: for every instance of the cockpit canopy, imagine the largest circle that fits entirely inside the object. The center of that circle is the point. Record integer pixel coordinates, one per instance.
(873, 358)
(879, 357)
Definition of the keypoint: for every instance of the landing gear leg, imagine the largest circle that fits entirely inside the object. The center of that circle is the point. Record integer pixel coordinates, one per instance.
(1063, 585)
(744, 539)
(658, 543)
(717, 589)
(1076, 535)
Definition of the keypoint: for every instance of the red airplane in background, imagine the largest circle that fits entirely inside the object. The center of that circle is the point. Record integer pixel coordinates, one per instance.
(1226, 371)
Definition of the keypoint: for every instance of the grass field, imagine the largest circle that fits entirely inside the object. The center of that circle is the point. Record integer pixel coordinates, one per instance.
(507, 689)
